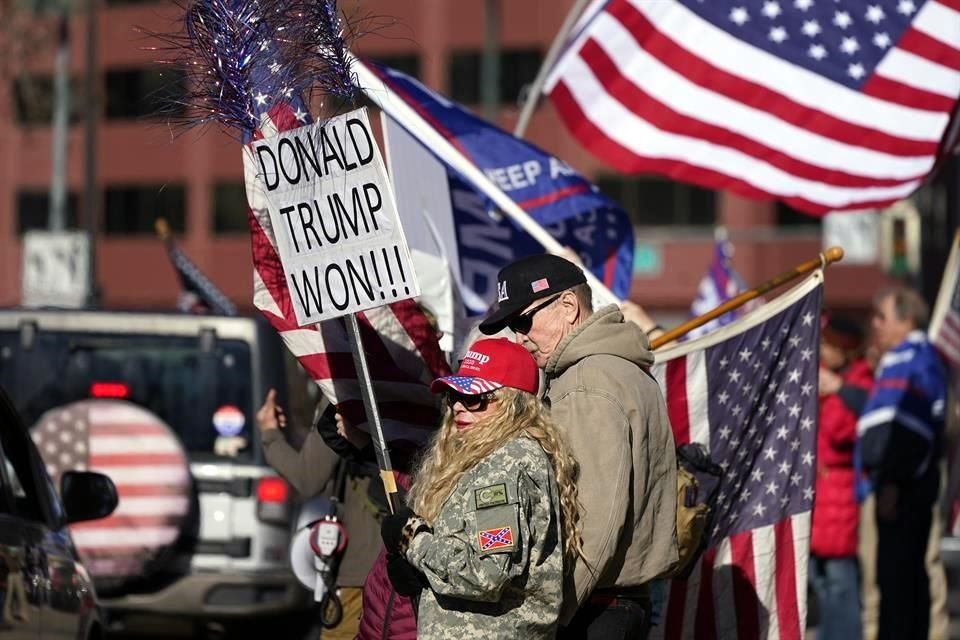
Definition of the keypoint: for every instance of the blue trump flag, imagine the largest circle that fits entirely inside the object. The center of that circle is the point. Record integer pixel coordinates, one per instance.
(567, 205)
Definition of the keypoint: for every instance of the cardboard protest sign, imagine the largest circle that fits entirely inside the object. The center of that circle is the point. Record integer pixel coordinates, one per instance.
(333, 214)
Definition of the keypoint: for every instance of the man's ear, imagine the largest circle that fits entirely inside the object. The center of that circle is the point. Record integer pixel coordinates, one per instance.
(570, 305)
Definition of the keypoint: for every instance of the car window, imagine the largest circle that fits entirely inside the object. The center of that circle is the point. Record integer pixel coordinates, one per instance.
(15, 449)
(201, 394)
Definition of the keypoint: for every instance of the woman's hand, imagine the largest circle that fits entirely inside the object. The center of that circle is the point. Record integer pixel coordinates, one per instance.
(391, 529)
(830, 382)
(355, 436)
(270, 415)
(404, 577)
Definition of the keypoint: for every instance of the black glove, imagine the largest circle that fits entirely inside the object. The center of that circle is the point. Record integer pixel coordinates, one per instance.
(391, 529)
(406, 580)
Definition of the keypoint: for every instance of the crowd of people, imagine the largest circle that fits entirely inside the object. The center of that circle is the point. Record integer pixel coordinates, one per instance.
(546, 503)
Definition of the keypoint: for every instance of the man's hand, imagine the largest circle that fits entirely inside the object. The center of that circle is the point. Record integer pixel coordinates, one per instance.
(271, 416)
(633, 312)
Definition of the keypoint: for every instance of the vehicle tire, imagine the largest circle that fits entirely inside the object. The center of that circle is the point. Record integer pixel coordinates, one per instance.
(148, 465)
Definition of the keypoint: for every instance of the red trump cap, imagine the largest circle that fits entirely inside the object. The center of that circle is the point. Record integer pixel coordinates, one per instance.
(490, 364)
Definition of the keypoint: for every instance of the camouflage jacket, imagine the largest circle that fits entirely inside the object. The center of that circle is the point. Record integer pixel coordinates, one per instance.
(494, 559)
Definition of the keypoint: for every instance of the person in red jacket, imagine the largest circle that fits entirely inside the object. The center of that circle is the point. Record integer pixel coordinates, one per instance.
(845, 382)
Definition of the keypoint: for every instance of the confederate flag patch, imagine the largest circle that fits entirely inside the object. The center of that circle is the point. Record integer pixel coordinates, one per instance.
(499, 538)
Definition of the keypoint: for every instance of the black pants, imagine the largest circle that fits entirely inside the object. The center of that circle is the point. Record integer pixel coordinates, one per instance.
(902, 574)
(619, 619)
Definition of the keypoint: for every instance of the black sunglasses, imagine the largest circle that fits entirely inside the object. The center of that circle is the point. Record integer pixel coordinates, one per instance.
(524, 322)
(470, 402)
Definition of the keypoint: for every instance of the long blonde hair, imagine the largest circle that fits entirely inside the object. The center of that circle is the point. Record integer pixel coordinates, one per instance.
(453, 453)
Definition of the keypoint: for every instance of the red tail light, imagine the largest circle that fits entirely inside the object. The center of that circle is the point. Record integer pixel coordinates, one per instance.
(272, 490)
(273, 504)
(109, 390)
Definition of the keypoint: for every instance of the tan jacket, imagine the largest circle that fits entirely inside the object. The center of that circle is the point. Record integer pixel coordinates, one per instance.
(312, 471)
(615, 419)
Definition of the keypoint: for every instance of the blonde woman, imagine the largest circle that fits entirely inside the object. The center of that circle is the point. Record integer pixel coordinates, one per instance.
(494, 520)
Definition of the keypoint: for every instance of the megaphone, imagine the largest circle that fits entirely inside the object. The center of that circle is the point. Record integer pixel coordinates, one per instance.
(318, 543)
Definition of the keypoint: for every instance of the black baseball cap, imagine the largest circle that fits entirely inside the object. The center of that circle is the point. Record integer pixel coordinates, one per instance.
(528, 279)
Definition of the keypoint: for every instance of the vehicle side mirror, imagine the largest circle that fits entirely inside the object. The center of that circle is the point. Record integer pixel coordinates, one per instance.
(87, 495)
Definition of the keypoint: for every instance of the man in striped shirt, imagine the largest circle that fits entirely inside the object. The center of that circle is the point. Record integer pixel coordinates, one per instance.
(900, 435)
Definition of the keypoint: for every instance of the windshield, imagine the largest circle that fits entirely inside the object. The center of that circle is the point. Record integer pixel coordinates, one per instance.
(204, 395)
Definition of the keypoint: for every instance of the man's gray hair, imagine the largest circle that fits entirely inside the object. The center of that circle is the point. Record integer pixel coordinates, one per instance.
(908, 304)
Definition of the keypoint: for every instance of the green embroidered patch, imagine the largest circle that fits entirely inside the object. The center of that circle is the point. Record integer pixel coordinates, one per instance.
(492, 496)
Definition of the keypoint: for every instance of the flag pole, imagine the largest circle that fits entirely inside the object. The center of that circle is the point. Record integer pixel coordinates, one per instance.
(831, 255)
(533, 94)
(373, 413)
(947, 284)
(409, 119)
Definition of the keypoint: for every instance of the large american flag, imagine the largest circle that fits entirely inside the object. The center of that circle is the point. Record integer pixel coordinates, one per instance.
(825, 104)
(748, 392)
(403, 352)
(144, 459)
(944, 331)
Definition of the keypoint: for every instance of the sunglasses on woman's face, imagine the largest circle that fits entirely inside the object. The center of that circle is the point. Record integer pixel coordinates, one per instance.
(524, 322)
(470, 402)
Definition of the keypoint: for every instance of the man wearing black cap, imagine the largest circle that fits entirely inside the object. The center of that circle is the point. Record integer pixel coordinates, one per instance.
(614, 417)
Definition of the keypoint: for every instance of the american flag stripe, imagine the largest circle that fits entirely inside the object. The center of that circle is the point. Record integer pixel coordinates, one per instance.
(744, 585)
(151, 505)
(110, 444)
(927, 45)
(113, 539)
(669, 86)
(678, 410)
(134, 459)
(124, 475)
(765, 567)
(697, 394)
(705, 627)
(724, 600)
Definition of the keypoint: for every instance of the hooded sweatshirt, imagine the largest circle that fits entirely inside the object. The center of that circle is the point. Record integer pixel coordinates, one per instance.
(614, 417)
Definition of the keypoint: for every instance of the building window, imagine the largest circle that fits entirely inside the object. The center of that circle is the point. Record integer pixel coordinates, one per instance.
(33, 210)
(34, 96)
(408, 64)
(518, 68)
(789, 217)
(652, 201)
(230, 208)
(137, 93)
(133, 210)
